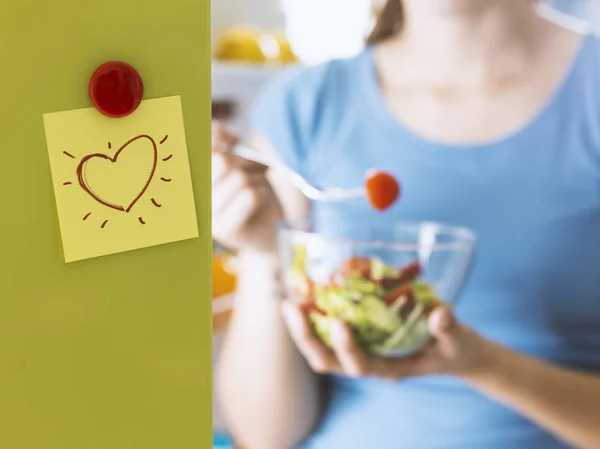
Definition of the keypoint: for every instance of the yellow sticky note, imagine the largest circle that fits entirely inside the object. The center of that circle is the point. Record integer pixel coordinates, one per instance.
(121, 184)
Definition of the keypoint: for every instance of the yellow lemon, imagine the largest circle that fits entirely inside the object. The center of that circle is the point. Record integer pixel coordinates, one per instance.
(240, 44)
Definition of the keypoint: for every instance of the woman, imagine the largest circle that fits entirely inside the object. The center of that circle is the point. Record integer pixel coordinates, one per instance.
(489, 114)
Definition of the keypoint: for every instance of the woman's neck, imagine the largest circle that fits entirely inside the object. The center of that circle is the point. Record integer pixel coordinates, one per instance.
(469, 41)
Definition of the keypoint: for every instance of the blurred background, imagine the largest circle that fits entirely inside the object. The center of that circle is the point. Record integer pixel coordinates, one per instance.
(253, 41)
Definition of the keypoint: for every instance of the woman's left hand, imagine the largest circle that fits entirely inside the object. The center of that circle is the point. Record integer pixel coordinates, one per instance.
(454, 349)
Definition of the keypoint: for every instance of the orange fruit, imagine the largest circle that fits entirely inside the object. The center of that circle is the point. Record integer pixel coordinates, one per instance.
(224, 279)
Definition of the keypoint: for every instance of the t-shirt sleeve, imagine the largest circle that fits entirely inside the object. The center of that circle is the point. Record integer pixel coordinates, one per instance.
(284, 113)
(591, 91)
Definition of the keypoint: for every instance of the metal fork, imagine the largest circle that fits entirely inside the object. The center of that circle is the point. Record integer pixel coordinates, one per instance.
(309, 190)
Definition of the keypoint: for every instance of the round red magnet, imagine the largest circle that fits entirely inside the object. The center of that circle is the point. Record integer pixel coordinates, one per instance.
(116, 89)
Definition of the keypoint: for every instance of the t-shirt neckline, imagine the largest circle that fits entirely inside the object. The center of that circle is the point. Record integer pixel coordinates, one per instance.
(376, 102)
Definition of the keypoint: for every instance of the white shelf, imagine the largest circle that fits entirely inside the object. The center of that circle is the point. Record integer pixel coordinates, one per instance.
(244, 69)
(240, 79)
(240, 83)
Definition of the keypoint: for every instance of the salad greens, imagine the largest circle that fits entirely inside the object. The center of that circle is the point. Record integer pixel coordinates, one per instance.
(386, 307)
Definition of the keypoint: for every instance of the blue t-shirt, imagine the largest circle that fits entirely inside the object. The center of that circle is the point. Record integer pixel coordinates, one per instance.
(533, 198)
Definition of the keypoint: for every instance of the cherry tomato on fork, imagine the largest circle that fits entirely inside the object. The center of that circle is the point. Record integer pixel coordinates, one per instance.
(382, 189)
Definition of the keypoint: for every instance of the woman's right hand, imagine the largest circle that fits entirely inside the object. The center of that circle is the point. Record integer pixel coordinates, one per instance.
(245, 208)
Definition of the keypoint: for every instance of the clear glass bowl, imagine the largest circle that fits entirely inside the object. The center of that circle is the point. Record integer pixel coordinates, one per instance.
(383, 281)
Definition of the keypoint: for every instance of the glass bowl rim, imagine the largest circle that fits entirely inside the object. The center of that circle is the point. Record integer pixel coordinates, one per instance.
(465, 238)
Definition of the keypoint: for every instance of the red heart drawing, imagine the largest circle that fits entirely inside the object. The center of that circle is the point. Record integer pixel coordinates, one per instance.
(87, 188)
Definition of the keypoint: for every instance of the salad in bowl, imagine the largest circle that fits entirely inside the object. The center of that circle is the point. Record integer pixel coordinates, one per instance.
(384, 289)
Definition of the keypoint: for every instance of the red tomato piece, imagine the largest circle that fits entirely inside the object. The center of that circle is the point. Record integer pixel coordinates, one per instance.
(311, 307)
(382, 189)
(410, 272)
(407, 274)
(361, 265)
(389, 283)
(309, 296)
(406, 291)
(403, 290)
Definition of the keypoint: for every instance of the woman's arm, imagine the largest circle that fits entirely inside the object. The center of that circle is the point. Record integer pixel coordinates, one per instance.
(565, 402)
(268, 393)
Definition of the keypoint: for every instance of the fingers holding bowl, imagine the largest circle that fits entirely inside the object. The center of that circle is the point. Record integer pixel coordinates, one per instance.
(345, 357)
(318, 356)
(353, 361)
